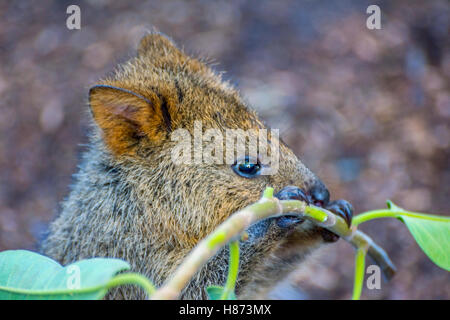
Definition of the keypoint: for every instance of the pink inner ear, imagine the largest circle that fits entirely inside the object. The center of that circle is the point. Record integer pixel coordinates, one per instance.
(127, 111)
(113, 104)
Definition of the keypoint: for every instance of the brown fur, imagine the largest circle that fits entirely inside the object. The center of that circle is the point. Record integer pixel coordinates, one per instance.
(131, 201)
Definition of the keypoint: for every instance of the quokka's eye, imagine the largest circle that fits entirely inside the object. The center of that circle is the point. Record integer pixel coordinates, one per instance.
(246, 168)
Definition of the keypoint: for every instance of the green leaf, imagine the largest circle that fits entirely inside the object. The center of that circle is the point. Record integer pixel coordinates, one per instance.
(432, 233)
(28, 275)
(215, 292)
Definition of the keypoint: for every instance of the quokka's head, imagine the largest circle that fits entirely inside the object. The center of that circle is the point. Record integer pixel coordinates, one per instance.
(161, 104)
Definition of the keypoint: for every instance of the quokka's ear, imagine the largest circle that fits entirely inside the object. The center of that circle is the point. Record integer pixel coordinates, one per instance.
(160, 51)
(126, 117)
(159, 45)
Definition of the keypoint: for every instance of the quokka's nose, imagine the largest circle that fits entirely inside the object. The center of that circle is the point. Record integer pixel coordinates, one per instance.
(319, 195)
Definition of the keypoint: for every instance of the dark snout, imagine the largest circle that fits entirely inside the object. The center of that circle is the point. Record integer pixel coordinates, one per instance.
(317, 195)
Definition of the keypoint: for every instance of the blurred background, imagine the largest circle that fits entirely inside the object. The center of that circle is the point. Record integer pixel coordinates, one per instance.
(367, 110)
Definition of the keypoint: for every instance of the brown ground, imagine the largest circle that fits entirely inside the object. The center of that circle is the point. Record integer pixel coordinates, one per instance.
(368, 110)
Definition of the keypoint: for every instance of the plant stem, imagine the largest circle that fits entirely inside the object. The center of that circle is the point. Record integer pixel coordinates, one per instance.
(316, 213)
(266, 207)
(132, 278)
(233, 270)
(360, 240)
(388, 213)
(360, 259)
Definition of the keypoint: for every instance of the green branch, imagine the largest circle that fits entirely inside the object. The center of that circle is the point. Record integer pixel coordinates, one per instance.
(233, 270)
(267, 207)
(396, 213)
(132, 279)
(360, 260)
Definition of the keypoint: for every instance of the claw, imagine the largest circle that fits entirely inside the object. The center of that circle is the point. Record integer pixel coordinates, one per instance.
(342, 208)
(292, 193)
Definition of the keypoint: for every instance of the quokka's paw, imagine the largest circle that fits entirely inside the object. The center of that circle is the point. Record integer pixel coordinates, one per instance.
(319, 196)
(342, 208)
